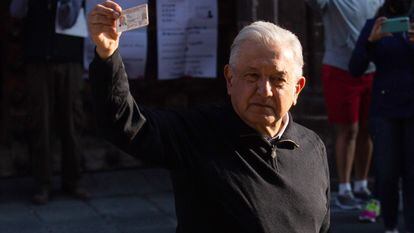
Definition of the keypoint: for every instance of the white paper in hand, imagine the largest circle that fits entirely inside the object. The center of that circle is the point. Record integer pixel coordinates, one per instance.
(132, 18)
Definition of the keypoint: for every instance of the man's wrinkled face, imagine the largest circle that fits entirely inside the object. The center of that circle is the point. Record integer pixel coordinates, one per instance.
(262, 84)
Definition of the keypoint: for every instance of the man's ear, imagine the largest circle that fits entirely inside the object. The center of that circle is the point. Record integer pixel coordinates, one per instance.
(300, 84)
(228, 74)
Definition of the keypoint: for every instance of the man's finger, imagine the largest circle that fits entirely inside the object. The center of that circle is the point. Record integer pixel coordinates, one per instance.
(102, 28)
(98, 28)
(108, 32)
(113, 5)
(103, 10)
(101, 20)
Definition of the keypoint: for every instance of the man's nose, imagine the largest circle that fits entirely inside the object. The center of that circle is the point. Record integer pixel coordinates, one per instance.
(264, 88)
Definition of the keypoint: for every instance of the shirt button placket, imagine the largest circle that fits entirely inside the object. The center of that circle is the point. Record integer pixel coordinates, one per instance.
(273, 158)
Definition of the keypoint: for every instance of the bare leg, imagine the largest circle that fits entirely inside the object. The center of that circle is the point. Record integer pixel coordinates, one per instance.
(363, 153)
(346, 136)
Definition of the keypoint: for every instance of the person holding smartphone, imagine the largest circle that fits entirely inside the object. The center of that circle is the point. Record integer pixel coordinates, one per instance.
(392, 108)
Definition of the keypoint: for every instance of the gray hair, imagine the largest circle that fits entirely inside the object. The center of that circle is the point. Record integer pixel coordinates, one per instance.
(269, 34)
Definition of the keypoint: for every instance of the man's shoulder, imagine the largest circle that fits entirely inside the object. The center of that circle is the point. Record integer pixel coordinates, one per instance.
(310, 142)
(203, 110)
(302, 133)
(209, 114)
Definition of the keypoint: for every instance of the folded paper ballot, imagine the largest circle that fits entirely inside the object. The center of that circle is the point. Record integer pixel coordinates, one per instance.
(132, 18)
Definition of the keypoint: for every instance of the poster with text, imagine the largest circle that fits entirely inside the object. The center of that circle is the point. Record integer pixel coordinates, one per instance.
(187, 38)
(132, 44)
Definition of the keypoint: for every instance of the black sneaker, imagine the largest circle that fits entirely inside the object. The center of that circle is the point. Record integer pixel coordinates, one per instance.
(364, 195)
(347, 201)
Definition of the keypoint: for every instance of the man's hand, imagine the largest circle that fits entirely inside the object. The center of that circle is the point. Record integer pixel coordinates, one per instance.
(102, 28)
(376, 33)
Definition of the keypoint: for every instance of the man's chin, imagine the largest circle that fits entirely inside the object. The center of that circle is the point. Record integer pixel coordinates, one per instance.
(262, 119)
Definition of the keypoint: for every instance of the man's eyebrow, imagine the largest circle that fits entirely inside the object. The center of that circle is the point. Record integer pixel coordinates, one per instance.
(251, 68)
(280, 73)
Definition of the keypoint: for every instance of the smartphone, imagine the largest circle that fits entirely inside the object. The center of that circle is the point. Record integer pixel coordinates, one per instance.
(400, 24)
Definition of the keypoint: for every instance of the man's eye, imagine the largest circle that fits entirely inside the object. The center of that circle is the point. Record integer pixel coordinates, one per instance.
(277, 81)
(251, 77)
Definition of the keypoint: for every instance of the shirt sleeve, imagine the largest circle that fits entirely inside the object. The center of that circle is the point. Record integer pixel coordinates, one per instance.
(362, 53)
(327, 219)
(142, 133)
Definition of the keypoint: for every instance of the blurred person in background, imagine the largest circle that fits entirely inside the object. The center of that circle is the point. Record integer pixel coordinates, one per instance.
(54, 72)
(392, 109)
(347, 100)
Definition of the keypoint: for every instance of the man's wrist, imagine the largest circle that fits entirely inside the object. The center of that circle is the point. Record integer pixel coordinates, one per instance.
(104, 53)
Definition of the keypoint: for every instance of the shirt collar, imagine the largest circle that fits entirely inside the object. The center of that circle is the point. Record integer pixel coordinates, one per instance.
(285, 122)
(286, 138)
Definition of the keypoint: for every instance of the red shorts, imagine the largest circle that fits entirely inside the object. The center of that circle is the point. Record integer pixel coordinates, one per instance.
(347, 98)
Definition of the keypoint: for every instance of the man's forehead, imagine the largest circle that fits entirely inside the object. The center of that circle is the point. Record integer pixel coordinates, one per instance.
(255, 55)
(276, 61)
(267, 50)
(272, 67)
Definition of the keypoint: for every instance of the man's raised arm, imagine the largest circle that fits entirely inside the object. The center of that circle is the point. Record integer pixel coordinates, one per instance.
(140, 132)
(118, 116)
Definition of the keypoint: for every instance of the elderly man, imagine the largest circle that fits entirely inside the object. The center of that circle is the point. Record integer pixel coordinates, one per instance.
(244, 167)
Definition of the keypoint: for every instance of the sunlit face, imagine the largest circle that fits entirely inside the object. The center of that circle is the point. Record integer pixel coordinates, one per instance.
(262, 85)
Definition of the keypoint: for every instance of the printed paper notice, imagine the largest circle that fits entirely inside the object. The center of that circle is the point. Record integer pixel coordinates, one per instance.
(132, 44)
(187, 38)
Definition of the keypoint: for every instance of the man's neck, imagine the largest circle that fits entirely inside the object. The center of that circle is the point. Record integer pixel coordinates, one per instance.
(270, 131)
(275, 129)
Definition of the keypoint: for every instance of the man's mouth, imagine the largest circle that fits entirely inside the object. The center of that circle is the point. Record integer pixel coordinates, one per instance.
(262, 105)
